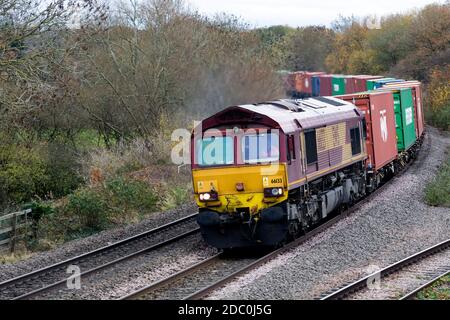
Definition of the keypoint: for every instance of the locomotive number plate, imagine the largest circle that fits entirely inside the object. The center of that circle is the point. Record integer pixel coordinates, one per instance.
(274, 181)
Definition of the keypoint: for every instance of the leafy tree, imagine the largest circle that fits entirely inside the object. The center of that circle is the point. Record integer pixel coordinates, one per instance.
(393, 42)
(309, 47)
(430, 37)
(350, 50)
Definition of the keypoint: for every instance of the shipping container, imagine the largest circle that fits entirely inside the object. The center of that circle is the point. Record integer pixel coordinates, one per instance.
(371, 83)
(416, 88)
(305, 82)
(325, 85)
(315, 86)
(349, 85)
(404, 117)
(338, 85)
(381, 142)
(360, 82)
(378, 83)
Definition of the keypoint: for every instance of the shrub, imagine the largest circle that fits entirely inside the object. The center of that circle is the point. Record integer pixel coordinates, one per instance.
(125, 158)
(40, 210)
(174, 196)
(62, 170)
(130, 193)
(91, 209)
(440, 118)
(437, 192)
(43, 171)
(23, 173)
(438, 98)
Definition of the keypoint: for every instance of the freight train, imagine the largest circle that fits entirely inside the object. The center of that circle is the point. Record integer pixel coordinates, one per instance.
(266, 173)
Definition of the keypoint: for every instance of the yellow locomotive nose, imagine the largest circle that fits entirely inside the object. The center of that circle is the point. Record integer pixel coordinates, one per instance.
(239, 188)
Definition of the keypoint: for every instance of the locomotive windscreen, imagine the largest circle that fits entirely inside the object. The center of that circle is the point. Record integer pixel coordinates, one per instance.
(215, 151)
(260, 148)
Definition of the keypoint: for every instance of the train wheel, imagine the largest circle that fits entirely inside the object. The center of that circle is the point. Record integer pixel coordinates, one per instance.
(352, 199)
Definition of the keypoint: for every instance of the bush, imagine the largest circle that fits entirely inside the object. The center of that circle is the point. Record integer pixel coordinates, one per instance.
(440, 118)
(39, 209)
(118, 200)
(23, 174)
(42, 171)
(131, 194)
(62, 170)
(438, 98)
(437, 192)
(91, 209)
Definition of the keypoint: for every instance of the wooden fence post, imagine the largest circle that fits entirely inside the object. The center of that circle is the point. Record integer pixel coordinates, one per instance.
(13, 232)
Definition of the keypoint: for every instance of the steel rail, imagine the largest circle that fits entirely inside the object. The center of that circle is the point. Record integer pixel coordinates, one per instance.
(108, 264)
(104, 249)
(362, 283)
(410, 295)
(172, 278)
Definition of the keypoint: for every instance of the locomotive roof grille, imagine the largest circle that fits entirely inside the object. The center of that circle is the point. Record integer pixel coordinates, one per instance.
(291, 105)
(329, 101)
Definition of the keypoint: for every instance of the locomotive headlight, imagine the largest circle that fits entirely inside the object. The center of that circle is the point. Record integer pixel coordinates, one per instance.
(273, 192)
(209, 196)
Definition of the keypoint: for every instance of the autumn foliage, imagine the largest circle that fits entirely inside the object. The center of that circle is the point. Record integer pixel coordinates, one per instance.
(438, 97)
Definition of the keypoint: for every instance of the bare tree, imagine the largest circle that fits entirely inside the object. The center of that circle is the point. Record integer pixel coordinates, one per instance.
(31, 44)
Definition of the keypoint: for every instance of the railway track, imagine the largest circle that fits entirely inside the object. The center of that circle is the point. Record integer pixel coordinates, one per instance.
(401, 280)
(413, 293)
(201, 279)
(38, 282)
(198, 281)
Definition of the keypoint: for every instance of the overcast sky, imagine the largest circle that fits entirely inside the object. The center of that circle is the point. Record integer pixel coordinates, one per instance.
(303, 12)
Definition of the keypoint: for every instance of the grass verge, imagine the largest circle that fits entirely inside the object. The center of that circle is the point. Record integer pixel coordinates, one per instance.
(440, 290)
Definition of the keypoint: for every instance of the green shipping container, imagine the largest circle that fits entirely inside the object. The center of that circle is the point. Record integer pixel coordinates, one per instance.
(371, 83)
(404, 118)
(338, 85)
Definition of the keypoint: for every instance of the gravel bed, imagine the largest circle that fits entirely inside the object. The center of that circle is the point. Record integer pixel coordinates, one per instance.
(80, 246)
(124, 278)
(197, 280)
(394, 225)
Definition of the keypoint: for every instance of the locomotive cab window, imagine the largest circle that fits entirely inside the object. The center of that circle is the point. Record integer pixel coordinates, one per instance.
(260, 148)
(355, 137)
(311, 146)
(215, 151)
